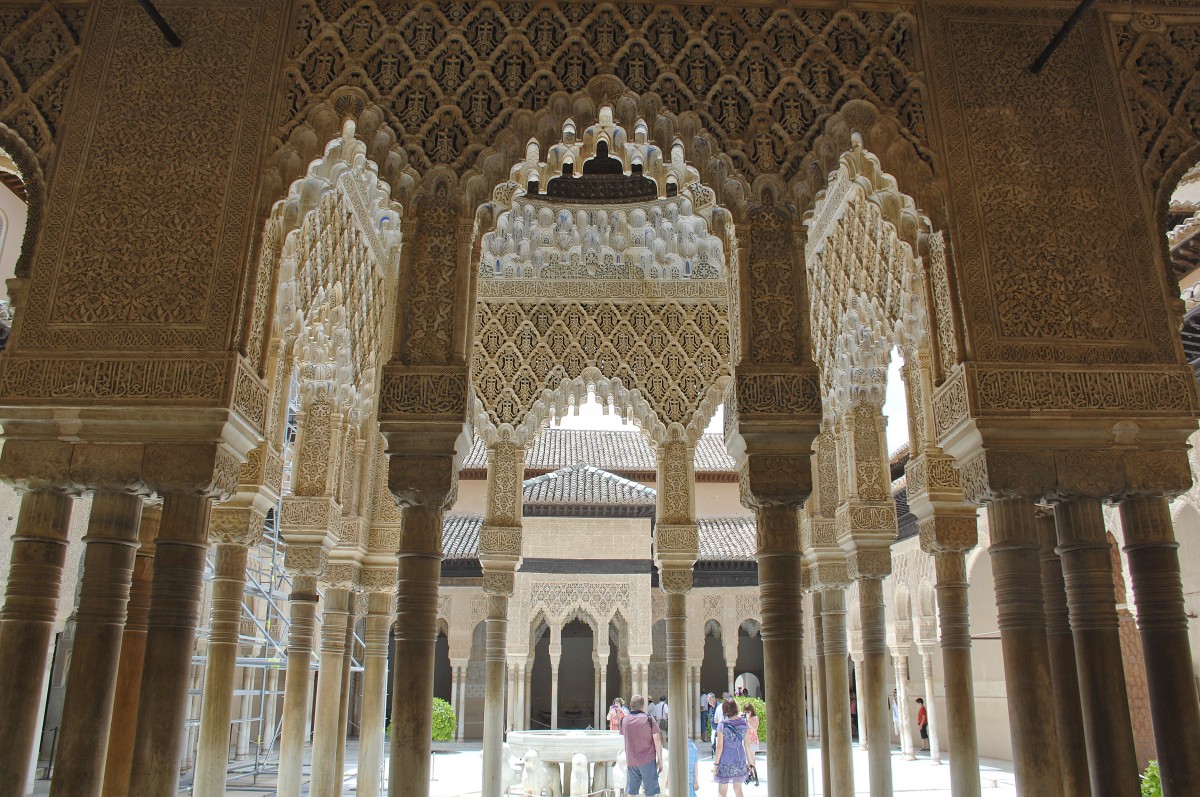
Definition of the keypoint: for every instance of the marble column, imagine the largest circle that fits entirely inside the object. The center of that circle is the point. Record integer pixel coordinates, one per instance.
(1088, 577)
(677, 583)
(499, 556)
(39, 549)
(527, 709)
(1016, 564)
(110, 547)
(822, 680)
(297, 684)
(375, 663)
(346, 698)
(229, 579)
(419, 572)
(498, 591)
(170, 639)
(554, 658)
(133, 649)
(242, 730)
(931, 713)
(1068, 713)
(860, 704)
(900, 656)
(1153, 558)
(837, 688)
(520, 721)
(601, 722)
(872, 696)
(338, 602)
(458, 697)
(732, 679)
(266, 733)
(781, 595)
(955, 642)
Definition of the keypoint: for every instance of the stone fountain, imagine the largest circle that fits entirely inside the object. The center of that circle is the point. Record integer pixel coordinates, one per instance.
(556, 749)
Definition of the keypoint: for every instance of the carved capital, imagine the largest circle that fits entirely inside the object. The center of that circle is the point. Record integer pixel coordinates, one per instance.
(108, 466)
(775, 480)
(998, 474)
(425, 480)
(236, 525)
(191, 469)
(340, 575)
(944, 532)
(305, 561)
(676, 581)
(873, 563)
(37, 465)
(498, 583)
(677, 543)
(427, 393)
(829, 574)
(378, 579)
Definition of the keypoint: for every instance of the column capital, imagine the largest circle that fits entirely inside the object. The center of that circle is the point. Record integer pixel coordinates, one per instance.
(236, 525)
(498, 583)
(950, 532)
(340, 575)
(305, 561)
(423, 480)
(1100, 471)
(676, 581)
(378, 580)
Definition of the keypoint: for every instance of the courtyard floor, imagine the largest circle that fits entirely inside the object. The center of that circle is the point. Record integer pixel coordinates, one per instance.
(456, 774)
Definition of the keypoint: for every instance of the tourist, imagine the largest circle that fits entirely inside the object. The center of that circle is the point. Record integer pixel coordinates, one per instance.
(616, 713)
(714, 710)
(663, 715)
(643, 748)
(752, 720)
(693, 768)
(854, 730)
(923, 723)
(730, 762)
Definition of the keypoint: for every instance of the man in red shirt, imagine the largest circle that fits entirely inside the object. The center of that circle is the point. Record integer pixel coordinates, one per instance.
(643, 748)
(923, 723)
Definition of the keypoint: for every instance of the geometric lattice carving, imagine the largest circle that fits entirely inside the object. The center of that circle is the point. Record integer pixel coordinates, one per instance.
(655, 340)
(449, 76)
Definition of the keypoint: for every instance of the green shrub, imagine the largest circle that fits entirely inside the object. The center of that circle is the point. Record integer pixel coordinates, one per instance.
(443, 721)
(1151, 784)
(761, 708)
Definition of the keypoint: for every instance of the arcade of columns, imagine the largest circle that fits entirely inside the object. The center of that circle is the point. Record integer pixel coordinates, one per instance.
(1041, 356)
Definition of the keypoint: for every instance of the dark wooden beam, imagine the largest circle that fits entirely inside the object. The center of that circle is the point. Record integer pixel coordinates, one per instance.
(1061, 36)
(163, 26)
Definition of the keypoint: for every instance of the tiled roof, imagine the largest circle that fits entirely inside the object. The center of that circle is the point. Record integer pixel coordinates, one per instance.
(610, 450)
(727, 539)
(460, 536)
(588, 485)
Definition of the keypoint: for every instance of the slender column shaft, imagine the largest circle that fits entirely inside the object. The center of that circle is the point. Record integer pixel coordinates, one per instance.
(329, 692)
(860, 705)
(171, 634)
(1162, 624)
(454, 701)
(129, 671)
(212, 756)
(873, 694)
(39, 549)
(528, 710)
(677, 691)
(346, 699)
(297, 684)
(495, 666)
(932, 716)
(782, 600)
(603, 696)
(903, 704)
(243, 729)
(837, 688)
(266, 733)
(112, 541)
(554, 693)
(1087, 574)
(955, 642)
(416, 637)
(822, 679)
(1067, 710)
(519, 721)
(1016, 567)
(732, 679)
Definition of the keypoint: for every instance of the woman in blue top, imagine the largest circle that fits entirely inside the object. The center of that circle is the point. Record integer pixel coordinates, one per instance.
(731, 763)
